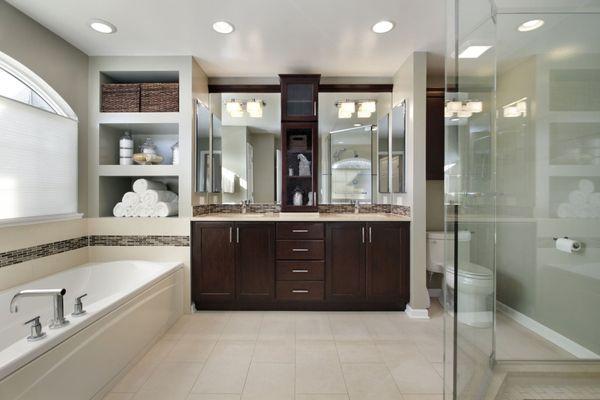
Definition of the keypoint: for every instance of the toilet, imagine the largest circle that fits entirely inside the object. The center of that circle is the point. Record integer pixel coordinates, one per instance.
(475, 282)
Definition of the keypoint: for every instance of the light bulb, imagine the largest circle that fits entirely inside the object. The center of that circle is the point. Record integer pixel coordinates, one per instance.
(474, 106)
(348, 107)
(454, 106)
(368, 106)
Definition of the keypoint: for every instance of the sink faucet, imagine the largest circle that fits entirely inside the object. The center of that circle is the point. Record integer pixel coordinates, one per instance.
(58, 295)
(356, 206)
(245, 204)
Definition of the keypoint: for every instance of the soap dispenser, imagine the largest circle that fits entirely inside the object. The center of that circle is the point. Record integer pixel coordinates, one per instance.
(297, 196)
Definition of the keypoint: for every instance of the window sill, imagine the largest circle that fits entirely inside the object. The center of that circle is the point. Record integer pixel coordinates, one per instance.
(5, 223)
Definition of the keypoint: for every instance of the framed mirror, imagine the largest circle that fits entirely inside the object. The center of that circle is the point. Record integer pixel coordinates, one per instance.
(398, 147)
(383, 154)
(203, 137)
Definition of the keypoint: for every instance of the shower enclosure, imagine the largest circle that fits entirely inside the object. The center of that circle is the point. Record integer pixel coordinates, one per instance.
(522, 177)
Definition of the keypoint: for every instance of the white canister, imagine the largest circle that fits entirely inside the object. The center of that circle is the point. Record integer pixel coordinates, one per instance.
(125, 161)
(123, 152)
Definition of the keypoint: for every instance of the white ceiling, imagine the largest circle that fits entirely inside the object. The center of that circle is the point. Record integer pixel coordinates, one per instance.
(330, 37)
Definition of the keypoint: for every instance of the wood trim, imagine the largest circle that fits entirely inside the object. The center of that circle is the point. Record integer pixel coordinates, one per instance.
(436, 92)
(244, 88)
(355, 88)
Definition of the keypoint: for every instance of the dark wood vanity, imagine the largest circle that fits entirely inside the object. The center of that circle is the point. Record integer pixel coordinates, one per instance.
(300, 265)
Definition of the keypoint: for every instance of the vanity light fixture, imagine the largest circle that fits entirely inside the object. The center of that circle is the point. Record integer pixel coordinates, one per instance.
(102, 26)
(474, 51)
(223, 27)
(368, 106)
(474, 106)
(254, 108)
(382, 26)
(343, 115)
(530, 25)
(233, 106)
(348, 107)
(515, 109)
(362, 108)
(459, 109)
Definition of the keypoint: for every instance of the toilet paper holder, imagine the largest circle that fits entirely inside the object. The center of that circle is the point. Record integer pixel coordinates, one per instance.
(574, 246)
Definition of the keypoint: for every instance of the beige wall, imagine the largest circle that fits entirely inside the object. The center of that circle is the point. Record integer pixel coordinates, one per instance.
(264, 166)
(233, 146)
(410, 84)
(61, 65)
(435, 205)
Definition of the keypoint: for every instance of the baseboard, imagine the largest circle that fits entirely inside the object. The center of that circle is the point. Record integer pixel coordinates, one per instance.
(435, 293)
(417, 313)
(550, 335)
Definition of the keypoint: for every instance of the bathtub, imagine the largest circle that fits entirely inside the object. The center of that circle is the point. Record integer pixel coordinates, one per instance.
(128, 305)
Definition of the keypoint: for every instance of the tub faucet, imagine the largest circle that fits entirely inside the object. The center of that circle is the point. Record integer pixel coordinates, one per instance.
(58, 296)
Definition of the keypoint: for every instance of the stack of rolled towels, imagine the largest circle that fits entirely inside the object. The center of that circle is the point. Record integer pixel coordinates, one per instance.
(148, 199)
(583, 202)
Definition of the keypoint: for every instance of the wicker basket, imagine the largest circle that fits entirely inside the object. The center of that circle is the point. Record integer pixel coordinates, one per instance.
(159, 97)
(120, 97)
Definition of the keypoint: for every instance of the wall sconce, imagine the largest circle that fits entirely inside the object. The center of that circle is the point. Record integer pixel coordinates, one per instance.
(253, 107)
(515, 109)
(362, 108)
(462, 109)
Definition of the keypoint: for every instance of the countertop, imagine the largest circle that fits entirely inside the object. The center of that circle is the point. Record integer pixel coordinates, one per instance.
(316, 217)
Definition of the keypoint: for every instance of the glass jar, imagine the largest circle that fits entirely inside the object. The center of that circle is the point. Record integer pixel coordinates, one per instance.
(126, 149)
(148, 147)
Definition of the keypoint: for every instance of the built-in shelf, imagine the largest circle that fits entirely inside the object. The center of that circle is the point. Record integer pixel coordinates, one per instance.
(143, 76)
(138, 170)
(139, 118)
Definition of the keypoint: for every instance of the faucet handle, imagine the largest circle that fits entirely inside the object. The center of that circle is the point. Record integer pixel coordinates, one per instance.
(36, 329)
(78, 307)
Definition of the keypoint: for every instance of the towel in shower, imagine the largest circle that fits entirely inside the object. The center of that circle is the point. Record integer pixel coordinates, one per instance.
(151, 197)
(164, 209)
(228, 181)
(131, 199)
(119, 209)
(141, 185)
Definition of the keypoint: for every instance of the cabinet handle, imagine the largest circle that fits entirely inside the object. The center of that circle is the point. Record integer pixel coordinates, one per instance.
(296, 271)
(370, 235)
(315, 108)
(299, 291)
(363, 234)
(237, 234)
(230, 234)
(300, 230)
(299, 250)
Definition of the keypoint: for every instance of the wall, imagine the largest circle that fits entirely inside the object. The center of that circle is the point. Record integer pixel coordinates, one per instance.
(233, 142)
(264, 166)
(410, 84)
(60, 64)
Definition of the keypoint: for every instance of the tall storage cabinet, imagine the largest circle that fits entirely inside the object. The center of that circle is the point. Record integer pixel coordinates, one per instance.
(300, 141)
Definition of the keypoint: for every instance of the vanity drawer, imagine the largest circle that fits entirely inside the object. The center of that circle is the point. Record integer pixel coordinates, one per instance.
(300, 270)
(300, 230)
(299, 290)
(300, 249)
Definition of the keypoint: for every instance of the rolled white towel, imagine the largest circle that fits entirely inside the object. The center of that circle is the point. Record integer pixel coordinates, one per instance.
(586, 186)
(162, 209)
(151, 197)
(143, 211)
(129, 211)
(131, 199)
(578, 198)
(565, 210)
(119, 210)
(141, 185)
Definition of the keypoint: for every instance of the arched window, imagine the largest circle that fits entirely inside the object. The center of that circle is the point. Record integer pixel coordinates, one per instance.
(38, 147)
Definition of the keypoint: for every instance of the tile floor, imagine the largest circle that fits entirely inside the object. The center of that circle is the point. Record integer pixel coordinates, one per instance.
(293, 355)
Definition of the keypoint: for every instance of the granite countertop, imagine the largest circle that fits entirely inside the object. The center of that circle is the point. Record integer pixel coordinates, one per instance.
(316, 217)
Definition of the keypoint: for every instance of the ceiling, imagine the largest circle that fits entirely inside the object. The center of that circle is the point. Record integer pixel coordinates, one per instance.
(330, 37)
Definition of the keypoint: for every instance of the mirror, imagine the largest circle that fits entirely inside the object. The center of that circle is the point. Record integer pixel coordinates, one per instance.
(398, 145)
(239, 156)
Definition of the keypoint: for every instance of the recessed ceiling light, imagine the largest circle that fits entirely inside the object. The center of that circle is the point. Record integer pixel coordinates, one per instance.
(223, 27)
(473, 51)
(383, 26)
(102, 26)
(357, 125)
(531, 25)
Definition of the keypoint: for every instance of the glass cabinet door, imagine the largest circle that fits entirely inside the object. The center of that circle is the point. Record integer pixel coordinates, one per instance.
(299, 96)
(299, 145)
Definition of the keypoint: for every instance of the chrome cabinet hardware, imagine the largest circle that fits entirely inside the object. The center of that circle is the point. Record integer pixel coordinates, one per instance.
(300, 230)
(59, 319)
(78, 307)
(299, 291)
(230, 234)
(237, 234)
(363, 234)
(314, 108)
(36, 329)
(370, 235)
(299, 271)
(299, 250)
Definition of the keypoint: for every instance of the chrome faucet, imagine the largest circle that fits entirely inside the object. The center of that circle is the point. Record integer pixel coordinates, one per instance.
(356, 206)
(59, 309)
(245, 204)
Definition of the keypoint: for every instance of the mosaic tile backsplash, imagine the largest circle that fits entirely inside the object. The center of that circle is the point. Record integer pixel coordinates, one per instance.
(44, 250)
(323, 208)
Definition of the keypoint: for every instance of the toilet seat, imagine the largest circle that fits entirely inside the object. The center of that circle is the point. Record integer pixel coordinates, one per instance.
(471, 270)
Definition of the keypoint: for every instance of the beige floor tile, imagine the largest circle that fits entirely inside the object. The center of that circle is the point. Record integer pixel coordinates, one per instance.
(397, 350)
(222, 376)
(277, 326)
(118, 396)
(423, 397)
(242, 326)
(135, 378)
(158, 352)
(173, 377)
(160, 395)
(232, 350)
(317, 374)
(439, 368)
(431, 346)
(276, 351)
(206, 325)
(348, 326)
(381, 327)
(267, 381)
(199, 396)
(370, 381)
(315, 350)
(322, 397)
(358, 352)
(191, 350)
(313, 326)
(415, 375)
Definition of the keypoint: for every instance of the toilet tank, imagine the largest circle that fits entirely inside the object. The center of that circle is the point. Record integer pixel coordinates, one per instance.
(437, 240)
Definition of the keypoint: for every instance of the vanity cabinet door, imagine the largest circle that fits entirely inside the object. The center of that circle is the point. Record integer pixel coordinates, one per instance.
(345, 267)
(255, 256)
(387, 261)
(213, 263)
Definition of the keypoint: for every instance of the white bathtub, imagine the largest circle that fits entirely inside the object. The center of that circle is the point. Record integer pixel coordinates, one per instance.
(128, 304)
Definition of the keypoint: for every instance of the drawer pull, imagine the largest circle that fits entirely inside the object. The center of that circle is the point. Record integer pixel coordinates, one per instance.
(300, 291)
(300, 230)
(299, 271)
(299, 250)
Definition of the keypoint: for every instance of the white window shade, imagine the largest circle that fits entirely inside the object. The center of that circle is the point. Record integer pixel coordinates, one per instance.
(38, 162)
